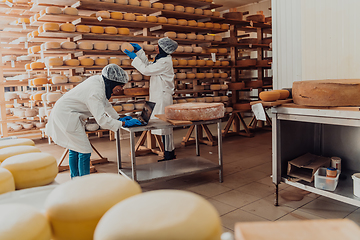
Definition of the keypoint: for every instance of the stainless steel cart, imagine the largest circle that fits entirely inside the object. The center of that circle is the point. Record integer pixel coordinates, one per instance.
(172, 168)
(327, 132)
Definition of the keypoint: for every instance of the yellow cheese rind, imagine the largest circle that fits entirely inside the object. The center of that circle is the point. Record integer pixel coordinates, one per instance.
(68, 45)
(111, 30)
(72, 62)
(67, 27)
(124, 31)
(52, 27)
(103, 14)
(52, 45)
(37, 65)
(75, 207)
(116, 15)
(71, 11)
(129, 16)
(101, 62)
(179, 215)
(31, 169)
(82, 28)
(85, 45)
(86, 62)
(20, 221)
(97, 29)
(7, 183)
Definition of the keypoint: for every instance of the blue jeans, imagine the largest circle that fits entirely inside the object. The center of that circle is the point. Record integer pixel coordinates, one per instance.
(79, 163)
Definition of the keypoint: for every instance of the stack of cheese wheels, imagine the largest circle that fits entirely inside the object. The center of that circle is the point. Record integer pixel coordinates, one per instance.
(20, 221)
(16, 150)
(334, 93)
(75, 207)
(7, 183)
(181, 215)
(31, 169)
(194, 111)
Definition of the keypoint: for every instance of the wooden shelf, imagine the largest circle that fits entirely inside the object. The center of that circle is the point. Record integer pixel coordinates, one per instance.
(187, 16)
(97, 6)
(189, 3)
(185, 29)
(214, 67)
(93, 21)
(108, 37)
(59, 34)
(188, 91)
(200, 79)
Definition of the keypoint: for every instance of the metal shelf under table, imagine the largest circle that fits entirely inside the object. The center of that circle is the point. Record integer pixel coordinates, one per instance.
(172, 168)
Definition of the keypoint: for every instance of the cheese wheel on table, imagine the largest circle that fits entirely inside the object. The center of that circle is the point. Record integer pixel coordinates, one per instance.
(100, 46)
(67, 27)
(103, 14)
(68, 45)
(116, 15)
(172, 21)
(21, 221)
(101, 62)
(269, 96)
(179, 8)
(115, 60)
(57, 78)
(53, 10)
(82, 28)
(123, 31)
(85, 45)
(75, 79)
(97, 29)
(7, 183)
(284, 94)
(72, 62)
(71, 11)
(194, 111)
(75, 207)
(52, 45)
(31, 169)
(333, 93)
(37, 65)
(129, 16)
(145, 3)
(126, 46)
(51, 27)
(198, 11)
(111, 30)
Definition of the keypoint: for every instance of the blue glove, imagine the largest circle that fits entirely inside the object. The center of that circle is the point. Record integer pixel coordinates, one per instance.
(132, 122)
(136, 46)
(125, 118)
(132, 55)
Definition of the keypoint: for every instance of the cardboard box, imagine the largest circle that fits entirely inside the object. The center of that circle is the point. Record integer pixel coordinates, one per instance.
(305, 166)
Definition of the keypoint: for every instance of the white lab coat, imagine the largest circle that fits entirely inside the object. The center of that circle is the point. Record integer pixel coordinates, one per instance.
(66, 125)
(161, 83)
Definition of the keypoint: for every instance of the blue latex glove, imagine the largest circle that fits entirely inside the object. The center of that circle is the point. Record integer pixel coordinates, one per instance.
(136, 46)
(132, 122)
(125, 118)
(132, 55)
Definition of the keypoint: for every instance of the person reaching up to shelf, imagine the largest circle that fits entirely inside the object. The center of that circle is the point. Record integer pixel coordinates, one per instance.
(162, 85)
(66, 124)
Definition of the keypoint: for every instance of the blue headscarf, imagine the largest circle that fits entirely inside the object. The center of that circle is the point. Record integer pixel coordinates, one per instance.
(160, 55)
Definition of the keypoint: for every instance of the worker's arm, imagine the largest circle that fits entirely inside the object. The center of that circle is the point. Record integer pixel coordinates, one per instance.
(150, 69)
(111, 111)
(141, 54)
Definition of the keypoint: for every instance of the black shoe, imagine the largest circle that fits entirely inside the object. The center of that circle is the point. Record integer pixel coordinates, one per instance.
(168, 156)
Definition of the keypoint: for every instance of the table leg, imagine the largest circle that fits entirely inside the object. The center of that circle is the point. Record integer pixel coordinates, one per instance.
(132, 152)
(118, 149)
(276, 195)
(220, 151)
(197, 140)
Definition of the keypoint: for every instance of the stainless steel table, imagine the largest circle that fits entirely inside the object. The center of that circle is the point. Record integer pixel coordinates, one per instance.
(172, 168)
(325, 132)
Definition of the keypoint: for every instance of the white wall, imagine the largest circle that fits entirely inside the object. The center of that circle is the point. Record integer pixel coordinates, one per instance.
(315, 40)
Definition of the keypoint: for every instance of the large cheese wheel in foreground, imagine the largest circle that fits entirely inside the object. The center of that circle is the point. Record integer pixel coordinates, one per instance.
(333, 93)
(161, 215)
(74, 208)
(16, 142)
(195, 111)
(20, 221)
(16, 150)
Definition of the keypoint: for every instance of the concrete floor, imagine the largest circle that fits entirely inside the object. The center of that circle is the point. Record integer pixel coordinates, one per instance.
(247, 193)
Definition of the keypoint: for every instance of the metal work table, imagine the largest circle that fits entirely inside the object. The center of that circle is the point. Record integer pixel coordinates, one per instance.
(326, 132)
(171, 168)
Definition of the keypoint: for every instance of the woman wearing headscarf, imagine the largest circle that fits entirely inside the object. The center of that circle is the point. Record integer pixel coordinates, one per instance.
(66, 125)
(162, 85)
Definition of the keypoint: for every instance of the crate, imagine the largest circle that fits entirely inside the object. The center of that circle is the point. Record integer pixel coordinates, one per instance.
(323, 182)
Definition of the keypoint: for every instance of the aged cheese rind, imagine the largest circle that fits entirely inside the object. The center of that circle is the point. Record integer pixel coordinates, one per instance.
(195, 111)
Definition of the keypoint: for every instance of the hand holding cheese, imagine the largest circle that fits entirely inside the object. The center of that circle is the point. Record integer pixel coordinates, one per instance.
(131, 55)
(136, 46)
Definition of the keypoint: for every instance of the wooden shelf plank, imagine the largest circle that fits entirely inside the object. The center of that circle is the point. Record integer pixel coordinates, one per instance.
(93, 21)
(187, 16)
(200, 79)
(214, 67)
(97, 6)
(13, 83)
(61, 18)
(188, 3)
(108, 37)
(188, 91)
(59, 34)
(184, 29)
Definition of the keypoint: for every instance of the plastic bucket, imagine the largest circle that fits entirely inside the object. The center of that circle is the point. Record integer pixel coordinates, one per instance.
(356, 185)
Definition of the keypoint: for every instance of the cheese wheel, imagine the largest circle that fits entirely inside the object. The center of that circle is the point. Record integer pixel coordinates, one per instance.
(52, 45)
(126, 62)
(116, 15)
(68, 45)
(192, 23)
(86, 62)
(134, 2)
(179, 8)
(209, 99)
(37, 65)
(190, 10)
(172, 21)
(218, 38)
(223, 75)
(129, 16)
(51, 27)
(225, 63)
(140, 18)
(27, 66)
(82, 28)
(31, 169)
(145, 3)
(175, 62)
(217, 99)
(113, 46)
(182, 62)
(125, 2)
(169, 7)
(97, 29)
(180, 49)
(181, 101)
(197, 49)
(157, 5)
(216, 75)
(209, 75)
(201, 62)
(170, 34)
(269, 96)
(151, 19)
(200, 37)
(91, 127)
(182, 22)
(117, 108)
(211, 50)
(162, 20)
(188, 49)
(76, 217)
(180, 75)
(103, 14)
(192, 62)
(16, 150)
(85, 45)
(123, 31)
(41, 29)
(71, 11)
(53, 96)
(215, 87)
(72, 62)
(198, 11)
(56, 79)
(35, 33)
(39, 81)
(201, 25)
(126, 46)
(209, 25)
(195, 111)
(67, 27)
(53, 10)
(216, 14)
(190, 100)
(31, 221)
(35, 49)
(111, 30)
(200, 75)
(75, 79)
(209, 37)
(100, 46)
(115, 60)
(191, 36)
(209, 63)
(136, 76)
(7, 183)
(284, 94)
(225, 26)
(101, 62)
(128, 107)
(181, 35)
(190, 75)
(222, 50)
(208, 12)
(216, 25)
(149, 48)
